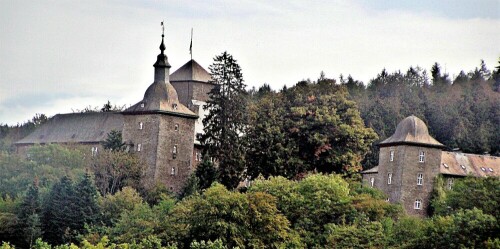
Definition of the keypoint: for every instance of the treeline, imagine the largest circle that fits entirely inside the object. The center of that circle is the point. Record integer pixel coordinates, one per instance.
(319, 211)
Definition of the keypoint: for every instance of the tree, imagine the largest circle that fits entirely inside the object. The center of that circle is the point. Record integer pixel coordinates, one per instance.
(29, 215)
(206, 172)
(114, 141)
(87, 201)
(224, 125)
(114, 170)
(60, 216)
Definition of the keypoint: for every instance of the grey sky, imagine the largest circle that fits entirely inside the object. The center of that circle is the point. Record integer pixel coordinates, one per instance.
(56, 56)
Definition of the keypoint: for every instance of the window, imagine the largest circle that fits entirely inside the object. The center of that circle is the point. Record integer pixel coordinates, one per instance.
(174, 106)
(94, 151)
(141, 125)
(387, 200)
(389, 178)
(420, 179)
(142, 105)
(172, 171)
(372, 181)
(176, 127)
(418, 204)
(450, 183)
(391, 156)
(421, 156)
(198, 156)
(139, 147)
(174, 152)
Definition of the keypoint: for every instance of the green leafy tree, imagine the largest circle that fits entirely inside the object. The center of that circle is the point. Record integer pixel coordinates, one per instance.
(224, 125)
(112, 205)
(114, 170)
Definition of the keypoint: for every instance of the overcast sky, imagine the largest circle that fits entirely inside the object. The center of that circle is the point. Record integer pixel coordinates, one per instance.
(59, 56)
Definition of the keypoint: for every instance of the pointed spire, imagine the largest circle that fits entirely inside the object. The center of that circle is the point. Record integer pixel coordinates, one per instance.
(161, 65)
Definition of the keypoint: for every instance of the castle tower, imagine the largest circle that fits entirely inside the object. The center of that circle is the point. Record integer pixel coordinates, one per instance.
(160, 130)
(409, 161)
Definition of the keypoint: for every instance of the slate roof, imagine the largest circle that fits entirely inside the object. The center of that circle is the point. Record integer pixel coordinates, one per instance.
(191, 71)
(463, 164)
(411, 130)
(75, 128)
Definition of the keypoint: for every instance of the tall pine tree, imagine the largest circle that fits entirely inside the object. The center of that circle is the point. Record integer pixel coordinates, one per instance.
(226, 120)
(29, 215)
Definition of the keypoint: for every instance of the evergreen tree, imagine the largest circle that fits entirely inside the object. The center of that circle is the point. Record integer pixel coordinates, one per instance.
(28, 215)
(60, 213)
(87, 207)
(226, 120)
(114, 141)
(206, 173)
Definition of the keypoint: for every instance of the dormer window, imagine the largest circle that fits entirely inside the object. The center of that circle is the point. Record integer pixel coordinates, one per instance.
(421, 156)
(141, 125)
(174, 106)
(391, 156)
(142, 105)
(420, 179)
(389, 178)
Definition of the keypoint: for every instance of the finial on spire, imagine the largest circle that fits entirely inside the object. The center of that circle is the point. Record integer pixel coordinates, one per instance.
(191, 45)
(162, 45)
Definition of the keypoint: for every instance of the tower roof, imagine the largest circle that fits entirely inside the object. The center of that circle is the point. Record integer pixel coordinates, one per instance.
(191, 71)
(411, 130)
(161, 96)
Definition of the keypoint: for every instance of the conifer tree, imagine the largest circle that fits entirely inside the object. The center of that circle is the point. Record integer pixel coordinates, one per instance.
(28, 216)
(226, 120)
(87, 206)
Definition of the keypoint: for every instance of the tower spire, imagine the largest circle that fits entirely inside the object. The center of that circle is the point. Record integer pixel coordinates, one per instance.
(161, 65)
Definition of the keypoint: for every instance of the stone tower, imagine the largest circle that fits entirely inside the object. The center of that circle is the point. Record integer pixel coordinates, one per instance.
(160, 130)
(409, 161)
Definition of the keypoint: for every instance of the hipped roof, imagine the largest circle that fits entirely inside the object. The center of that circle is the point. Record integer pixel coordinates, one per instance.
(75, 128)
(191, 71)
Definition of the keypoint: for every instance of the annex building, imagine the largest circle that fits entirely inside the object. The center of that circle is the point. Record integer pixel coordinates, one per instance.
(161, 128)
(410, 160)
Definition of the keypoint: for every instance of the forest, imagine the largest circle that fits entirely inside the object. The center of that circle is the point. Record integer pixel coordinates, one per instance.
(300, 148)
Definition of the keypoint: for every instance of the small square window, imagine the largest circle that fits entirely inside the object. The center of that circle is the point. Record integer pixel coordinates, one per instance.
(176, 127)
(391, 156)
(417, 204)
(421, 156)
(142, 105)
(389, 178)
(139, 147)
(174, 106)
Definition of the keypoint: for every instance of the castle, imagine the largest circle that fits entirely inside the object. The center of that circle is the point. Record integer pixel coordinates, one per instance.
(410, 160)
(161, 129)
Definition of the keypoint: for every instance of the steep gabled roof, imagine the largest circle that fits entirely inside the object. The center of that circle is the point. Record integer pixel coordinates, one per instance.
(191, 71)
(463, 164)
(75, 128)
(411, 130)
